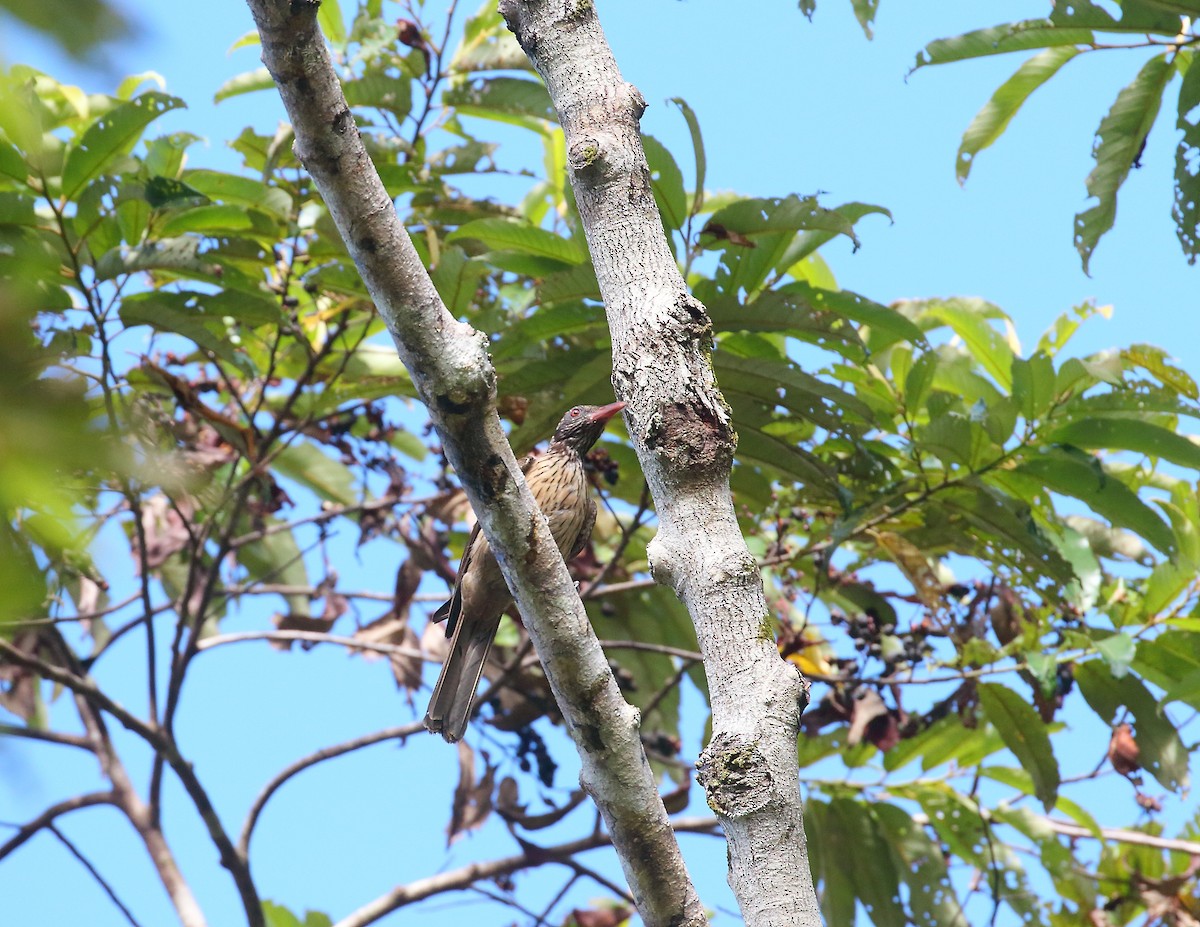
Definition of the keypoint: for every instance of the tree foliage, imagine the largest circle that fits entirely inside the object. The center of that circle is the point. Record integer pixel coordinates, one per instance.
(969, 542)
(1164, 28)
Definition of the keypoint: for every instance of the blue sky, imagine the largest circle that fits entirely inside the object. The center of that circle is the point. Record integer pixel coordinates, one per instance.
(786, 106)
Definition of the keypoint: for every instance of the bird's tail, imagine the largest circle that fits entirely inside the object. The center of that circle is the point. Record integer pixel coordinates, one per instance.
(454, 693)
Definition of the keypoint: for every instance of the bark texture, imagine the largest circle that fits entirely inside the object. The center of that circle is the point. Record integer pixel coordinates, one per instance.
(448, 362)
(685, 441)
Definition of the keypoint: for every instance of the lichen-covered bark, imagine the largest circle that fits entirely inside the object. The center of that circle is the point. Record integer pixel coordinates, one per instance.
(681, 429)
(449, 366)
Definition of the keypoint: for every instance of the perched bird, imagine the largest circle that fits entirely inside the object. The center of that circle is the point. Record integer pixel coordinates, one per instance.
(560, 487)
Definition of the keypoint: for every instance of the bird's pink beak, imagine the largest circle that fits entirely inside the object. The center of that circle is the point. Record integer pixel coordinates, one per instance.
(604, 413)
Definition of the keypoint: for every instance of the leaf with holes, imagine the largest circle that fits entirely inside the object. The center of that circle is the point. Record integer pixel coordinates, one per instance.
(112, 135)
(1119, 142)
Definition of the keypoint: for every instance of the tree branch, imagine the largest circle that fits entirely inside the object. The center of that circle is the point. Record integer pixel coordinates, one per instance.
(165, 748)
(458, 879)
(325, 753)
(95, 874)
(312, 637)
(1107, 834)
(52, 737)
(681, 429)
(46, 818)
(448, 363)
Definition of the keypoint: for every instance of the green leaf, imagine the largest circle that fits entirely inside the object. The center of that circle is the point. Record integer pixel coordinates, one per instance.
(546, 324)
(921, 864)
(18, 209)
(1119, 142)
(1025, 735)
(953, 439)
(180, 254)
(831, 855)
(998, 40)
(329, 18)
(12, 163)
(506, 235)
(243, 191)
(110, 136)
(667, 182)
(276, 558)
(859, 309)
(756, 447)
(212, 220)
(1161, 752)
(1087, 480)
(1171, 661)
(1130, 434)
(1155, 361)
(308, 465)
(391, 94)
(456, 278)
(80, 27)
(864, 12)
(1186, 207)
(277, 915)
(1167, 582)
(693, 125)
(757, 216)
(487, 45)
(1084, 590)
(1033, 385)
(772, 383)
(247, 82)
(504, 99)
(872, 869)
(577, 283)
(969, 319)
(181, 313)
(991, 121)
(1136, 16)
(806, 243)
(1118, 651)
(1079, 815)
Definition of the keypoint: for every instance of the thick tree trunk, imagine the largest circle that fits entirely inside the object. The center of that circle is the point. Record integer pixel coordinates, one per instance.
(448, 362)
(681, 429)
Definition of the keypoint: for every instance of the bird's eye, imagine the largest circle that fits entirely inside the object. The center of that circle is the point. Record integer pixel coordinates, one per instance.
(575, 412)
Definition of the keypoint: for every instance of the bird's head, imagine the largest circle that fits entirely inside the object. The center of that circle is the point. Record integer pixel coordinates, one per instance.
(582, 425)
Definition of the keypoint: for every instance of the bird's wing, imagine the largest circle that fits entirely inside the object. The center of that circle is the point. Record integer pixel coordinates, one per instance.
(585, 531)
(452, 607)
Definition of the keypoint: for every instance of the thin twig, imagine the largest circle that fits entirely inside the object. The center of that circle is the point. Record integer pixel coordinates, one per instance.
(95, 874)
(311, 637)
(165, 750)
(329, 512)
(666, 687)
(627, 533)
(1107, 834)
(619, 891)
(459, 879)
(52, 737)
(326, 753)
(82, 616)
(46, 818)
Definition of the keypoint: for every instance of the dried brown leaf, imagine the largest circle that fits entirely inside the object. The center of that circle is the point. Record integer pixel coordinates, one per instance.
(20, 689)
(1123, 751)
(677, 799)
(472, 799)
(164, 529)
(295, 622)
